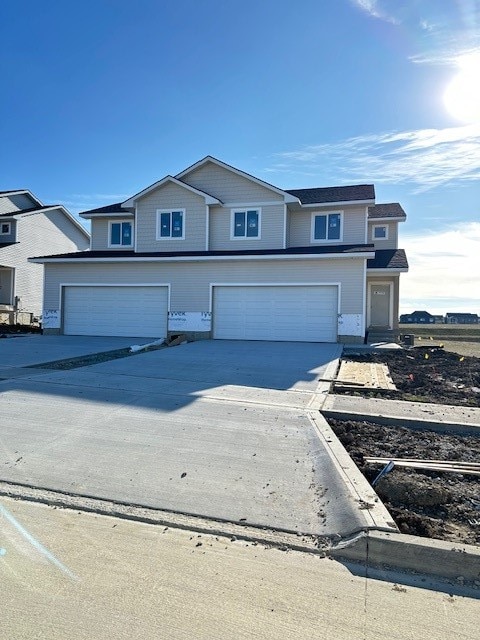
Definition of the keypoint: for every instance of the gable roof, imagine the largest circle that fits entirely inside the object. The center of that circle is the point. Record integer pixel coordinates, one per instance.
(30, 210)
(388, 210)
(15, 192)
(286, 194)
(208, 198)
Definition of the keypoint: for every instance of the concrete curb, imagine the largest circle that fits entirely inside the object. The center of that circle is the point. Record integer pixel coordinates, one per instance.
(320, 394)
(439, 558)
(375, 513)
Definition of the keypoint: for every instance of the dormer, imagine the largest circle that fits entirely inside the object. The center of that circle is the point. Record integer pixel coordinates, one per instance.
(383, 222)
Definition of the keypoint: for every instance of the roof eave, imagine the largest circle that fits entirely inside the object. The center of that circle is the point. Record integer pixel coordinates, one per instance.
(156, 185)
(338, 203)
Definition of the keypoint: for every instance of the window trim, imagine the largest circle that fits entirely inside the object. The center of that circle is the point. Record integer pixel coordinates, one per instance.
(379, 226)
(5, 233)
(159, 212)
(120, 246)
(245, 210)
(326, 213)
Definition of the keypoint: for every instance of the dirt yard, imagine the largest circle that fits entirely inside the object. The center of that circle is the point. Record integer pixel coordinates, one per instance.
(426, 374)
(425, 503)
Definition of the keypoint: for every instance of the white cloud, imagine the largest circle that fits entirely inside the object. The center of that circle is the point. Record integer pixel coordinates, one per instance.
(425, 158)
(444, 273)
(373, 8)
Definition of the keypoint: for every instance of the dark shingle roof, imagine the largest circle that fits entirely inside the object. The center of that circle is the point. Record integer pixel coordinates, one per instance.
(109, 208)
(390, 210)
(388, 259)
(343, 248)
(6, 244)
(13, 191)
(30, 210)
(322, 195)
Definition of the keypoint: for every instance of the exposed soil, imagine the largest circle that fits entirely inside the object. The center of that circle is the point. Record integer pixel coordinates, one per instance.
(7, 329)
(426, 374)
(431, 504)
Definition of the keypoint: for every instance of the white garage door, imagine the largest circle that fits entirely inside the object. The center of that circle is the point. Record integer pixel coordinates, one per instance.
(299, 313)
(115, 311)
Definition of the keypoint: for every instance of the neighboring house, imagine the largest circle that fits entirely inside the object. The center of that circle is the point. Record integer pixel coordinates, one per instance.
(28, 227)
(462, 318)
(417, 317)
(216, 252)
(439, 319)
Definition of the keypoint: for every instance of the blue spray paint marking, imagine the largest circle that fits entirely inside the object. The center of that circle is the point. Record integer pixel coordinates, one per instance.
(35, 543)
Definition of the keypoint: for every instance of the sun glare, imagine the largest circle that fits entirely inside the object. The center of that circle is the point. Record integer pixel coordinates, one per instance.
(462, 96)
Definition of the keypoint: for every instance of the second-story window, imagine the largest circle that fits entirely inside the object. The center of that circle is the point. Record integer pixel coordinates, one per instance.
(171, 224)
(246, 223)
(380, 232)
(121, 234)
(5, 228)
(327, 227)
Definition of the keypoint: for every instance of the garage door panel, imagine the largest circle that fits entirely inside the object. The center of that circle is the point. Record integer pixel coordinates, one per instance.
(297, 313)
(115, 311)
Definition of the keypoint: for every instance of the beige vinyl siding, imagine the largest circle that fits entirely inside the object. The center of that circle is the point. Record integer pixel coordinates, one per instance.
(300, 226)
(392, 242)
(42, 233)
(100, 233)
(227, 186)
(190, 281)
(18, 202)
(271, 229)
(171, 196)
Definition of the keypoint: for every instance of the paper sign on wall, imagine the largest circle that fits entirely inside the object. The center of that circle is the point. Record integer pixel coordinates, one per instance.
(189, 321)
(350, 324)
(51, 319)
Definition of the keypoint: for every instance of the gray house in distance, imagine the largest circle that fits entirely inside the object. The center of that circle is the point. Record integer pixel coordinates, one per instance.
(461, 318)
(417, 317)
(27, 226)
(215, 252)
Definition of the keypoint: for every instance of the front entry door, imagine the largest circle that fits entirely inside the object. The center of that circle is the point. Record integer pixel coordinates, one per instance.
(380, 305)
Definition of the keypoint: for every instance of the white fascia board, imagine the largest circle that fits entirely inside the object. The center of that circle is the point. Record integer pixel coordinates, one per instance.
(17, 192)
(208, 198)
(386, 272)
(120, 214)
(287, 196)
(340, 203)
(296, 256)
(386, 219)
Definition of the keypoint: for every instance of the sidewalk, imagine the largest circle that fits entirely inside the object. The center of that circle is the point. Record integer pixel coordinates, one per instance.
(419, 415)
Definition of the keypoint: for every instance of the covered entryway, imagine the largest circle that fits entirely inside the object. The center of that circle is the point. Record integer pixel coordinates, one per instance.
(301, 313)
(115, 310)
(380, 304)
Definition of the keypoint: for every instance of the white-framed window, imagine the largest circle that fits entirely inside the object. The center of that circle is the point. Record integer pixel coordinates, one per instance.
(5, 228)
(380, 232)
(170, 224)
(120, 233)
(246, 224)
(327, 227)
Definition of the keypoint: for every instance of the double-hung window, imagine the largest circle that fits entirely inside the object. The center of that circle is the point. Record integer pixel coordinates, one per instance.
(121, 234)
(327, 227)
(171, 224)
(246, 223)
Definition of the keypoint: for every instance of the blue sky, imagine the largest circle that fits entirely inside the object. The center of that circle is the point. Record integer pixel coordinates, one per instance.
(101, 98)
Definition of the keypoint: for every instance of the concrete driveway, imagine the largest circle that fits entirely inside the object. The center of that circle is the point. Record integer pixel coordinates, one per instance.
(213, 428)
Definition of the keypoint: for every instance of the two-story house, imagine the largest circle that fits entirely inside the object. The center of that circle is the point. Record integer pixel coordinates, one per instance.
(215, 252)
(27, 226)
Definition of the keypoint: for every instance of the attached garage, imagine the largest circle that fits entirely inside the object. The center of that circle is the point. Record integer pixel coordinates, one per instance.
(139, 311)
(302, 313)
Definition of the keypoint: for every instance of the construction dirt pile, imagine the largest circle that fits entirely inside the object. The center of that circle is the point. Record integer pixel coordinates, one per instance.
(433, 504)
(427, 374)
